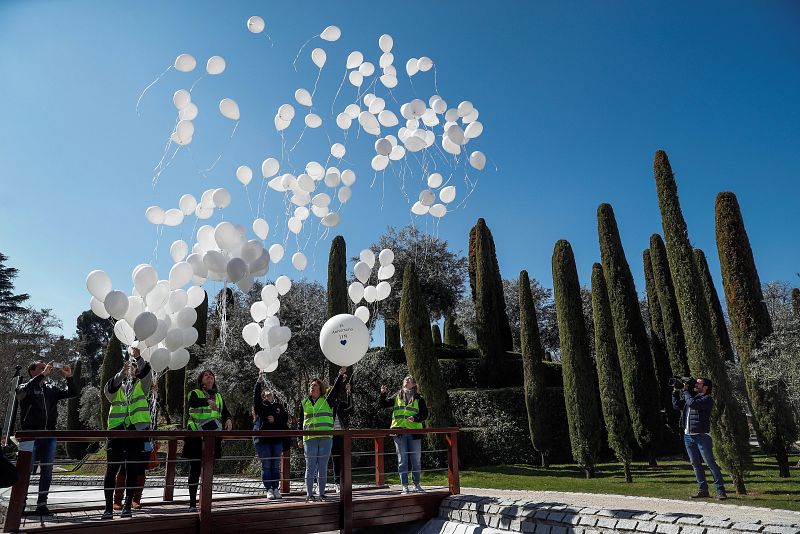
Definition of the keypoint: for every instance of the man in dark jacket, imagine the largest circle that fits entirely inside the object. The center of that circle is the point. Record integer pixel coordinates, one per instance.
(38, 408)
(695, 404)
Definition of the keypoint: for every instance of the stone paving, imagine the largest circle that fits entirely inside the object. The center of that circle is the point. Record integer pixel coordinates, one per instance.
(544, 512)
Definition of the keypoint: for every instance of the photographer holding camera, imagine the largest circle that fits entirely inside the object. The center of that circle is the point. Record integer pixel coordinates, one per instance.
(692, 397)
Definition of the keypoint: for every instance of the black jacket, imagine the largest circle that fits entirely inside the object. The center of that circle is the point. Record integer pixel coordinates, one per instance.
(697, 408)
(421, 417)
(266, 409)
(38, 402)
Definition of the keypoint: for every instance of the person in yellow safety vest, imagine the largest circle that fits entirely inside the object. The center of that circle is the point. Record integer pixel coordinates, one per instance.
(318, 415)
(129, 411)
(408, 411)
(207, 411)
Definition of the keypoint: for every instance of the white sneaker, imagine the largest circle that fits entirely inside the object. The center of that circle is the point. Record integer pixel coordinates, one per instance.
(405, 490)
(418, 488)
(276, 494)
(270, 495)
(336, 488)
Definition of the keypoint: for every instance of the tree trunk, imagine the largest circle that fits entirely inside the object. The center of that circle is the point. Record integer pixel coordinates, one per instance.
(589, 471)
(738, 482)
(391, 335)
(628, 476)
(783, 463)
(545, 460)
(652, 460)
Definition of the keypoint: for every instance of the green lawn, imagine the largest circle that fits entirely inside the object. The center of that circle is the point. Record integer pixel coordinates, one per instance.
(672, 480)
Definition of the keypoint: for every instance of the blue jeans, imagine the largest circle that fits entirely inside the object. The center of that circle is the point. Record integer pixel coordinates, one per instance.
(44, 453)
(317, 452)
(270, 456)
(408, 450)
(700, 450)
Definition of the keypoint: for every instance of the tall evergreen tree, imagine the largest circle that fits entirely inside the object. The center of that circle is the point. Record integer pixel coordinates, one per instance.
(751, 325)
(633, 349)
(10, 302)
(452, 335)
(418, 346)
(718, 326)
(609, 375)
(436, 334)
(670, 315)
(576, 361)
(533, 372)
(796, 302)
(76, 449)
(338, 300)
(201, 324)
(493, 330)
(112, 363)
(658, 345)
(729, 426)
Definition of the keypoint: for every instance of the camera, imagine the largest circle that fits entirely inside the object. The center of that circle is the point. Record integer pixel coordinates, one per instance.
(58, 365)
(680, 382)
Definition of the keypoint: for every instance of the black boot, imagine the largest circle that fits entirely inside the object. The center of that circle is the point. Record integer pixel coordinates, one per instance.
(126, 508)
(108, 513)
(192, 498)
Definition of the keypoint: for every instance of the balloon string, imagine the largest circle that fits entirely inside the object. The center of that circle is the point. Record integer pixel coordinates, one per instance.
(196, 82)
(148, 87)
(294, 63)
(234, 129)
(435, 79)
(271, 44)
(298, 139)
(314, 91)
(338, 91)
(162, 169)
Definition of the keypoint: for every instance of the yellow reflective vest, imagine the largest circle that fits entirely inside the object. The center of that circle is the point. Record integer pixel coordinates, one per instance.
(317, 416)
(402, 411)
(128, 411)
(203, 414)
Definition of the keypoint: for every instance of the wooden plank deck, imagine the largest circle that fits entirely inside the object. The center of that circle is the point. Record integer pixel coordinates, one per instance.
(380, 506)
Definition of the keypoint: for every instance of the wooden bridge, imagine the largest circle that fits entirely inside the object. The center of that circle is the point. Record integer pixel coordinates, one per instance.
(369, 505)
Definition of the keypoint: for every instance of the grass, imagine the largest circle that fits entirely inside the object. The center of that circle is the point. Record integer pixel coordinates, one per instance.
(673, 479)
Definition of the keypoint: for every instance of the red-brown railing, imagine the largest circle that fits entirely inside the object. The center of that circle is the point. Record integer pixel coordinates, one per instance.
(19, 491)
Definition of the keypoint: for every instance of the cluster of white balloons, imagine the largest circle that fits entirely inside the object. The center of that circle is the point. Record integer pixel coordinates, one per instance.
(363, 271)
(187, 205)
(427, 198)
(158, 317)
(266, 330)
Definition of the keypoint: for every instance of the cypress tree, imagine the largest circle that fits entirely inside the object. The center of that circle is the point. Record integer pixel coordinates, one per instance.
(729, 426)
(670, 315)
(576, 362)
(338, 300)
(633, 349)
(452, 336)
(112, 363)
(436, 334)
(76, 449)
(658, 344)
(751, 324)
(418, 346)
(796, 302)
(201, 324)
(391, 334)
(718, 326)
(609, 375)
(493, 330)
(533, 372)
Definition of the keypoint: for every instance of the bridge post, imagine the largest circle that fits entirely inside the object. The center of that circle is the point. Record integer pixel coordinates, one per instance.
(169, 475)
(206, 483)
(19, 493)
(346, 487)
(380, 468)
(286, 470)
(453, 478)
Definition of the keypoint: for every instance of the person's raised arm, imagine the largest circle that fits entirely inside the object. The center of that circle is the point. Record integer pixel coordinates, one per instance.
(337, 384)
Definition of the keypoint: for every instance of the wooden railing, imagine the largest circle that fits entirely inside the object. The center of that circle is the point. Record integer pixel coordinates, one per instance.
(19, 491)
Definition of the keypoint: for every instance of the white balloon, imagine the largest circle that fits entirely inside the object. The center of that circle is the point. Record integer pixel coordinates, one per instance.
(366, 69)
(190, 336)
(303, 97)
(331, 34)
(276, 253)
(158, 297)
(178, 299)
(370, 294)
(144, 279)
(283, 284)
(321, 199)
(473, 130)
(154, 215)
(348, 177)
(356, 78)
(389, 81)
(258, 311)
(215, 65)
(320, 211)
(187, 204)
(269, 167)
(354, 59)
(385, 42)
(383, 290)
(244, 174)
(386, 256)
(135, 307)
(203, 213)
(337, 150)
(362, 271)
(145, 325)
(178, 250)
(221, 198)
(332, 177)
(344, 339)
(387, 118)
(313, 120)
(159, 335)
(261, 228)
(295, 225)
(455, 134)
(98, 308)
(343, 121)
(427, 197)
(229, 109)
(448, 194)
(186, 318)
(251, 333)
(386, 59)
(236, 269)
(385, 272)
(356, 292)
(477, 160)
(181, 98)
(251, 251)
(362, 312)
(188, 113)
(299, 261)
(180, 275)
(397, 153)
(344, 194)
(435, 180)
(368, 257)
(99, 284)
(411, 66)
(380, 162)
(383, 147)
(438, 210)
(160, 359)
(330, 220)
(281, 124)
(178, 359)
(465, 108)
(196, 296)
(318, 56)
(450, 147)
(185, 63)
(273, 308)
(116, 304)
(124, 332)
(424, 64)
(256, 24)
(173, 217)
(269, 294)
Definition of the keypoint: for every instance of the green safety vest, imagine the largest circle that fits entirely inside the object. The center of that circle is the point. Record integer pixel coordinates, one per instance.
(128, 411)
(403, 411)
(202, 415)
(317, 416)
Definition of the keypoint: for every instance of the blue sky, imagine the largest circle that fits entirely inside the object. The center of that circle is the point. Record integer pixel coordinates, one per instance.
(575, 98)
